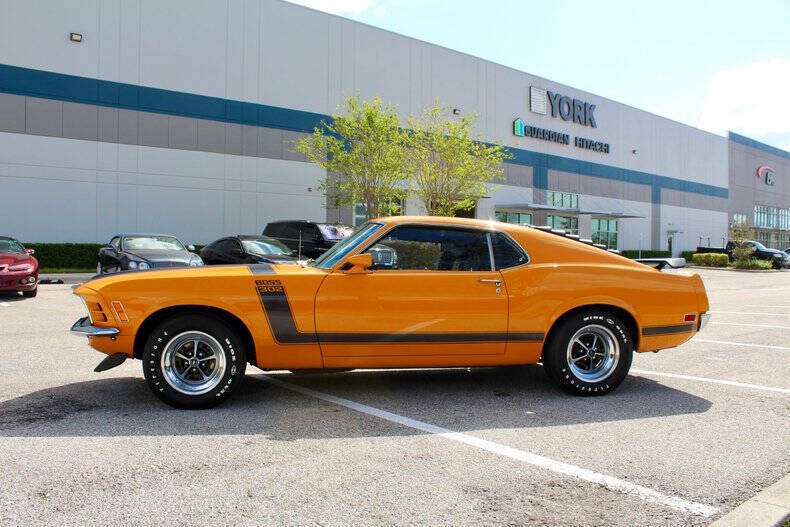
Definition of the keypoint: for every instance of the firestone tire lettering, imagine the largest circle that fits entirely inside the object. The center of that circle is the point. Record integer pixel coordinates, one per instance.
(232, 348)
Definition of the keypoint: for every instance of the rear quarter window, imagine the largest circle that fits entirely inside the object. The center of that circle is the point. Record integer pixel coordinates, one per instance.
(506, 252)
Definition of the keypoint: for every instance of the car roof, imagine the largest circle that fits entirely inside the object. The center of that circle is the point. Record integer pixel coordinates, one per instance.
(144, 234)
(252, 237)
(309, 221)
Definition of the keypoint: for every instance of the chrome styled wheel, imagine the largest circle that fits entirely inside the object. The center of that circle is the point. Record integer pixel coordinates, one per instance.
(593, 353)
(193, 363)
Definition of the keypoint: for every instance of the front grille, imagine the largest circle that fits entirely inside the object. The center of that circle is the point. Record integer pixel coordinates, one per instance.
(168, 264)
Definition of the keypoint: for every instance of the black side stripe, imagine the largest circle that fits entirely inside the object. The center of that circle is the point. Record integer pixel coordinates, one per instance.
(667, 330)
(261, 268)
(278, 313)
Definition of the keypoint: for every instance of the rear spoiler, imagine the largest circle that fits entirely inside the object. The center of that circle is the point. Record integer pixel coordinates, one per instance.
(660, 263)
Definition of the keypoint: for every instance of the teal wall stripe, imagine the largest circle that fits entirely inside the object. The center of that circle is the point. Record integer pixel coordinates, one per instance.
(49, 85)
(742, 139)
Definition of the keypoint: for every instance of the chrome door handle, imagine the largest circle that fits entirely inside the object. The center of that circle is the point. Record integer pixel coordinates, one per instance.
(491, 280)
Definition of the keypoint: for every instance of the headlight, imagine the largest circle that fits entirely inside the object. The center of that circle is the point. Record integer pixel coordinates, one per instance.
(195, 263)
(143, 265)
(132, 265)
(21, 267)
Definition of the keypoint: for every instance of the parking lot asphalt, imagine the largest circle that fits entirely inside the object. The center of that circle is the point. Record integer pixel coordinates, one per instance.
(692, 433)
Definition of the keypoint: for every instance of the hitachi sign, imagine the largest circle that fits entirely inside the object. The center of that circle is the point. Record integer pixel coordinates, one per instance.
(568, 109)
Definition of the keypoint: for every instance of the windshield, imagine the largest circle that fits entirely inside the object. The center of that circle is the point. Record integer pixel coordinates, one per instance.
(264, 247)
(8, 245)
(760, 246)
(337, 252)
(152, 243)
(334, 233)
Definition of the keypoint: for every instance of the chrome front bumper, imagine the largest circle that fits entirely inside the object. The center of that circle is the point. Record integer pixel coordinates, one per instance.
(703, 321)
(83, 327)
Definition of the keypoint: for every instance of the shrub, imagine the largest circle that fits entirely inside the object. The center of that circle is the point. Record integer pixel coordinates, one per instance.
(753, 264)
(710, 259)
(634, 253)
(66, 255)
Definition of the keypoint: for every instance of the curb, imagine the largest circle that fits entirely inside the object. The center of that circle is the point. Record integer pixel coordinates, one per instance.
(769, 508)
(734, 270)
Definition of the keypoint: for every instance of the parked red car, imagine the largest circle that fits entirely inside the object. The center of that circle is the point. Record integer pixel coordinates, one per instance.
(18, 268)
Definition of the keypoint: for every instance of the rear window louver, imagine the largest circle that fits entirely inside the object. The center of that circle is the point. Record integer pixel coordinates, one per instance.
(564, 234)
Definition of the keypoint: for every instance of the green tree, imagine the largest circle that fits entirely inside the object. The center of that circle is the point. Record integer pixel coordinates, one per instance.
(450, 166)
(741, 253)
(364, 149)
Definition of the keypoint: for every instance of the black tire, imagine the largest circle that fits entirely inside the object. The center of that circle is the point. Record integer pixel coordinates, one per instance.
(30, 294)
(581, 377)
(220, 339)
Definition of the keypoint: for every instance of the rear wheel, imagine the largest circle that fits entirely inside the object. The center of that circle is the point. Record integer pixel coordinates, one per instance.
(193, 361)
(590, 353)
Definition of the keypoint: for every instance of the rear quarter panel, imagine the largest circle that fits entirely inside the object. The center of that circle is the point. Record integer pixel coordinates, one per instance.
(565, 274)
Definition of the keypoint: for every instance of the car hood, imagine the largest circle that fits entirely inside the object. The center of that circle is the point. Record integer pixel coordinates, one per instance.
(162, 255)
(16, 259)
(253, 271)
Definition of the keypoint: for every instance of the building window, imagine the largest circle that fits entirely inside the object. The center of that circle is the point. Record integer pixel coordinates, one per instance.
(564, 200)
(604, 231)
(738, 219)
(771, 217)
(518, 218)
(359, 211)
(569, 224)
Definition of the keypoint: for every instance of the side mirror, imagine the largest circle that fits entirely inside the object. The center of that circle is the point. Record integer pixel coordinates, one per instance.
(31, 252)
(191, 248)
(358, 264)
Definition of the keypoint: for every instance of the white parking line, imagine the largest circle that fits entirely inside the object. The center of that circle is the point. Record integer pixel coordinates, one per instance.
(714, 381)
(762, 305)
(748, 313)
(726, 343)
(5, 304)
(610, 482)
(747, 325)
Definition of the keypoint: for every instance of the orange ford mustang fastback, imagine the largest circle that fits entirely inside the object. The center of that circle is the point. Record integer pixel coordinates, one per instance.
(399, 292)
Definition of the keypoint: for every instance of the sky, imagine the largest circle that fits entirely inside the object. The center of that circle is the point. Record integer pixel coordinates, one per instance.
(717, 65)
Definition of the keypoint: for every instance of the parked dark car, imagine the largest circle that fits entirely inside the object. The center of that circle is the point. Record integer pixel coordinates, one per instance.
(18, 268)
(307, 238)
(777, 258)
(129, 252)
(243, 249)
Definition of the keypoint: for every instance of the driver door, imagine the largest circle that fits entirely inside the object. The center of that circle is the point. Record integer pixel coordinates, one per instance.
(431, 291)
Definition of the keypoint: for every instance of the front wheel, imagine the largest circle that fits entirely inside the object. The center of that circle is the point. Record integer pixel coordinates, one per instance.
(193, 361)
(590, 353)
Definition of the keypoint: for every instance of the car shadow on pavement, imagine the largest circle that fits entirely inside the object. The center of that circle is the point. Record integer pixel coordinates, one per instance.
(11, 297)
(458, 399)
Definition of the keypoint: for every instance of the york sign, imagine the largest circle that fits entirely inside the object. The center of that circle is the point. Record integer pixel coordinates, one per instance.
(565, 107)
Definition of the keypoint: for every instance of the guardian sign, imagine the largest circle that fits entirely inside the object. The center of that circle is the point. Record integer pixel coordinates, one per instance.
(568, 109)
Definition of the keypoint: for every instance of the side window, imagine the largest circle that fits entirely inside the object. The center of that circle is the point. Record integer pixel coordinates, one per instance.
(433, 249)
(506, 253)
(226, 246)
(290, 231)
(115, 243)
(272, 229)
(309, 233)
